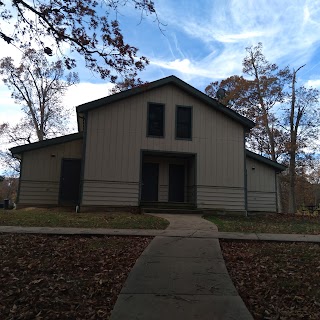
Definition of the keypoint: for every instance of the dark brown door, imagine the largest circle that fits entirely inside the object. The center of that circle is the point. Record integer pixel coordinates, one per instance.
(150, 179)
(70, 181)
(176, 183)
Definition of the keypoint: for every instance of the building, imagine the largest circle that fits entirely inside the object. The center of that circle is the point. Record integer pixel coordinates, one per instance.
(163, 142)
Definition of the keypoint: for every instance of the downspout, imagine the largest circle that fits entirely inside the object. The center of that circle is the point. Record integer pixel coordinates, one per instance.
(140, 178)
(84, 147)
(19, 186)
(278, 195)
(245, 189)
(276, 187)
(245, 175)
(196, 180)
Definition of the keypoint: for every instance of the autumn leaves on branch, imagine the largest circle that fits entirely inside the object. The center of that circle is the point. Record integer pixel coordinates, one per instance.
(90, 28)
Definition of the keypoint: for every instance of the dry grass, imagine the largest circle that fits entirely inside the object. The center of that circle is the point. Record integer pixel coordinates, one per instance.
(271, 223)
(33, 217)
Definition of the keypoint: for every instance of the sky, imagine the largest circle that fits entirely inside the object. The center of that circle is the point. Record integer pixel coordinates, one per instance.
(202, 41)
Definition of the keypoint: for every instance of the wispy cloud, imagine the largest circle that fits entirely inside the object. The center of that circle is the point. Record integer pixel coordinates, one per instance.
(240, 36)
(289, 31)
(210, 68)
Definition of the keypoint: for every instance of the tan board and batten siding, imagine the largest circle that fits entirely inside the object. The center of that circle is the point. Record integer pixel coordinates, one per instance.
(40, 172)
(116, 134)
(261, 182)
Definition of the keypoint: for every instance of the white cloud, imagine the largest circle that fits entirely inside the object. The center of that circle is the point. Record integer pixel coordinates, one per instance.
(240, 36)
(209, 68)
(180, 65)
(313, 83)
(82, 93)
(9, 111)
(86, 92)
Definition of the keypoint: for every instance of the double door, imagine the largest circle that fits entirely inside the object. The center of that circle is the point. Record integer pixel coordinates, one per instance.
(150, 182)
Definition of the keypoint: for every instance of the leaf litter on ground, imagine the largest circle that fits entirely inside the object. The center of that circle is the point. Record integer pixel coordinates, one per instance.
(276, 280)
(64, 277)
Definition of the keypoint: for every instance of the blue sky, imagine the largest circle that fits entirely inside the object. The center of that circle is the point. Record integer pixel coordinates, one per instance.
(204, 41)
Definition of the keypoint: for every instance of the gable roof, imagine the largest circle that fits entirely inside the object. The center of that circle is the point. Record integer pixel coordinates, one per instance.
(162, 82)
(279, 167)
(45, 143)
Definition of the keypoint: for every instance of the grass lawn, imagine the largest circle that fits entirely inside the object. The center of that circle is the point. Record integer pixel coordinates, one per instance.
(57, 218)
(272, 223)
(276, 280)
(64, 277)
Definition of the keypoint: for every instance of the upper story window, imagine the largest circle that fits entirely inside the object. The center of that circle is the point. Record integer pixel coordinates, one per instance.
(184, 122)
(155, 126)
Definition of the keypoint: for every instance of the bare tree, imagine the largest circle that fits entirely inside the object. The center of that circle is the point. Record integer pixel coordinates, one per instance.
(3, 127)
(38, 86)
(286, 117)
(314, 178)
(11, 164)
(256, 98)
(9, 188)
(302, 119)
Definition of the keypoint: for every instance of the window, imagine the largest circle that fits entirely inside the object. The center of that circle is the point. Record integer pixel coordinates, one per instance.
(155, 126)
(184, 123)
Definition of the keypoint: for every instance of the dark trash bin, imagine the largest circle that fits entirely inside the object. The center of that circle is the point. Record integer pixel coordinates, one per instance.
(6, 204)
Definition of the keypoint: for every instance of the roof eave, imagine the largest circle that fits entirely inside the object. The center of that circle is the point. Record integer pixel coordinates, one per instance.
(17, 151)
(279, 167)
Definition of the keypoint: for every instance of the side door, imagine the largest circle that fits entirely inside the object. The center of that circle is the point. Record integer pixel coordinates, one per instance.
(150, 182)
(70, 181)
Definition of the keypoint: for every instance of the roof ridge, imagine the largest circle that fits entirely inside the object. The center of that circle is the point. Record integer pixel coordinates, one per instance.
(172, 79)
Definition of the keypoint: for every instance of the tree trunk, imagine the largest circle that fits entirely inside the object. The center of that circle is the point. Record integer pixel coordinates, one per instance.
(294, 122)
(292, 183)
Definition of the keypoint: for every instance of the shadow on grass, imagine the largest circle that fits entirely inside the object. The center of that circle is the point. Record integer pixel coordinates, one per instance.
(267, 223)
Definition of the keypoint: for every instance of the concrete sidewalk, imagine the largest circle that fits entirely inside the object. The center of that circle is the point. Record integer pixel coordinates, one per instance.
(186, 233)
(180, 278)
